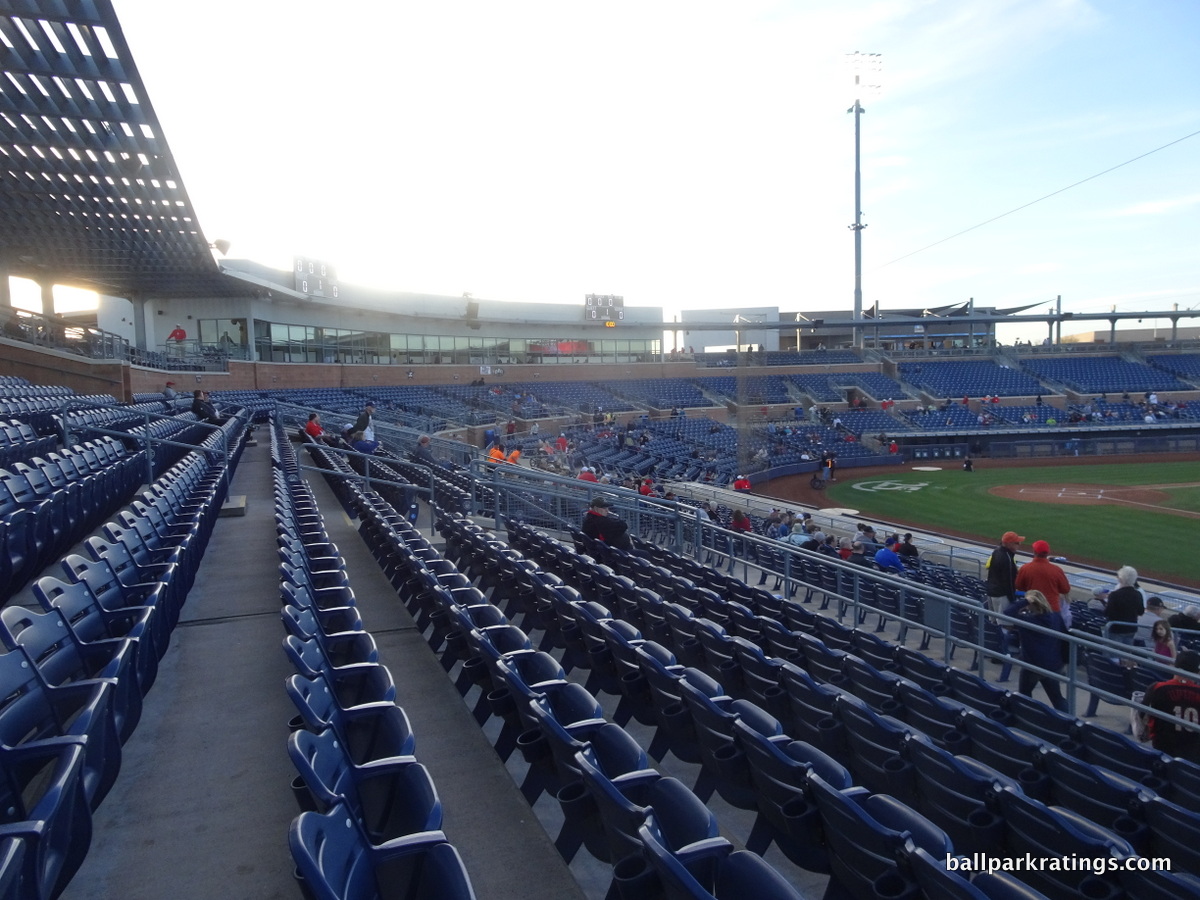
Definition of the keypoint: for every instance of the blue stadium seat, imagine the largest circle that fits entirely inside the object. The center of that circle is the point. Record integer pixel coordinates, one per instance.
(779, 769)
(90, 623)
(32, 709)
(60, 659)
(369, 731)
(389, 797)
(711, 870)
(46, 826)
(336, 861)
(869, 836)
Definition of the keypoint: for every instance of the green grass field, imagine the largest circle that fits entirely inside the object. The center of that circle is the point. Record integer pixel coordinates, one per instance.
(1154, 539)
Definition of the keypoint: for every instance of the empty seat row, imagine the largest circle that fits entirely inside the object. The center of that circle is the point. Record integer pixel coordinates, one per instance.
(370, 815)
(74, 673)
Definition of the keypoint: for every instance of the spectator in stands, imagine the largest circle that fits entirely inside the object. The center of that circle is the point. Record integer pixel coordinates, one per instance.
(1039, 574)
(176, 339)
(866, 536)
(740, 523)
(360, 443)
(1002, 571)
(562, 443)
(587, 473)
(1124, 606)
(906, 549)
(365, 421)
(1099, 599)
(601, 525)
(886, 558)
(1038, 649)
(1188, 620)
(857, 556)
(204, 410)
(169, 393)
(422, 452)
(1162, 639)
(315, 430)
(741, 483)
(514, 455)
(1154, 612)
(799, 535)
(1180, 697)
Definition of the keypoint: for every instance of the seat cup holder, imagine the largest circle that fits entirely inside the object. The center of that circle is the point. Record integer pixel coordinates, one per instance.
(304, 797)
(1137, 833)
(731, 764)
(475, 668)
(635, 880)
(985, 830)
(633, 684)
(501, 703)
(891, 707)
(777, 703)
(1093, 887)
(533, 746)
(676, 713)
(1034, 783)
(577, 804)
(894, 886)
(956, 742)
(1157, 784)
(456, 642)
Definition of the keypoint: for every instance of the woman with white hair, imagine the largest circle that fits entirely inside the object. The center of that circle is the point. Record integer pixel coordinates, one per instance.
(1124, 606)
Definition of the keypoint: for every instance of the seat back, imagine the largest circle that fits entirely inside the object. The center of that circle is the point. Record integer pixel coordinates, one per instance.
(335, 861)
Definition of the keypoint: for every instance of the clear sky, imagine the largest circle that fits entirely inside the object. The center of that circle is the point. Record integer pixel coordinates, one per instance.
(693, 154)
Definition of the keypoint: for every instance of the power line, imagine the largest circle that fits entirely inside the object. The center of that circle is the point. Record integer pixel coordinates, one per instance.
(1040, 199)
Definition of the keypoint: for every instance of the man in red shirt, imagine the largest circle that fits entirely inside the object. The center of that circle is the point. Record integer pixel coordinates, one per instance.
(1178, 697)
(587, 474)
(1039, 574)
(315, 430)
(741, 483)
(176, 339)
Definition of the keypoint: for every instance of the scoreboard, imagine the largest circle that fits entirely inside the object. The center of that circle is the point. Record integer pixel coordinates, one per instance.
(603, 308)
(315, 278)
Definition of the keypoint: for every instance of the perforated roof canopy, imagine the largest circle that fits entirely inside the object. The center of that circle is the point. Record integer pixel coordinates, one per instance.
(89, 192)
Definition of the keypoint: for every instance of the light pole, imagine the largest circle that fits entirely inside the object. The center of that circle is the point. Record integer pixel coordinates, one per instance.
(865, 68)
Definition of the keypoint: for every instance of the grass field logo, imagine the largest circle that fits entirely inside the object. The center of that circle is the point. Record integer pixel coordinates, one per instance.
(874, 486)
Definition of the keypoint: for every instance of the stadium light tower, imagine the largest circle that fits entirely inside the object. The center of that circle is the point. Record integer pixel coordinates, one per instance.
(865, 67)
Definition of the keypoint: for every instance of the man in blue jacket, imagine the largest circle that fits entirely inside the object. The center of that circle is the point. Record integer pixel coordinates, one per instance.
(887, 558)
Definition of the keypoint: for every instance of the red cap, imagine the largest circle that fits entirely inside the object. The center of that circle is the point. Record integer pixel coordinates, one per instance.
(1041, 548)
(1011, 537)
